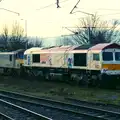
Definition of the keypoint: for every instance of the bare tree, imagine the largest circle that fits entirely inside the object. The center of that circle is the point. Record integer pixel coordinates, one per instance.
(65, 40)
(93, 30)
(17, 39)
(35, 43)
(38, 42)
(4, 37)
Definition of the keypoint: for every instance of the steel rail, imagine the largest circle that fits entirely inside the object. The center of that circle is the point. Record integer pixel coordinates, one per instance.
(36, 115)
(92, 103)
(102, 116)
(4, 116)
(82, 114)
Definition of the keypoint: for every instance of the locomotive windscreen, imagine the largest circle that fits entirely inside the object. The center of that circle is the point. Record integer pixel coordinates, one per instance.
(107, 56)
(80, 59)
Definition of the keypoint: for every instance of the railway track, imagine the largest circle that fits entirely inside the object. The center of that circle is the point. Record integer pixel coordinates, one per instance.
(74, 111)
(5, 117)
(105, 106)
(11, 111)
(51, 112)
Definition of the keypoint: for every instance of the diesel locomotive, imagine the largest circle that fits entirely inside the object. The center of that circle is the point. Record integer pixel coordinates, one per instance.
(94, 65)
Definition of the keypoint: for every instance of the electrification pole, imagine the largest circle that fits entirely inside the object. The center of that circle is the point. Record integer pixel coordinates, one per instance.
(25, 30)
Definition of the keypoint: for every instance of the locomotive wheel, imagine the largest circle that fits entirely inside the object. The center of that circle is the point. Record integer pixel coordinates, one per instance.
(102, 81)
(94, 82)
(30, 75)
(84, 80)
(74, 79)
(47, 77)
(13, 73)
(106, 81)
(66, 78)
(22, 72)
(79, 79)
(8, 71)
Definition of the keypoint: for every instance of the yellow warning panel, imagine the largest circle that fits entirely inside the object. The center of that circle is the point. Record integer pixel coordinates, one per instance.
(111, 66)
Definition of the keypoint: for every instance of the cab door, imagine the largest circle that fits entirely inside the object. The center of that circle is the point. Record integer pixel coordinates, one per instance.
(93, 61)
(12, 60)
(96, 61)
(89, 60)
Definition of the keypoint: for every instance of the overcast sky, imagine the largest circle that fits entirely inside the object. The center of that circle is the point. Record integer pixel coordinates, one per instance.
(49, 22)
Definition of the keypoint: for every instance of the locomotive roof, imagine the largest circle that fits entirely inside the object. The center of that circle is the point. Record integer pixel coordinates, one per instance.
(12, 52)
(19, 50)
(32, 49)
(99, 47)
(63, 48)
(76, 47)
(83, 47)
(103, 46)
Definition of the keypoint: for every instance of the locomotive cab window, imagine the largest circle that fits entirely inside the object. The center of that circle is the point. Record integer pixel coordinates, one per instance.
(36, 58)
(20, 55)
(10, 57)
(117, 56)
(107, 56)
(80, 59)
(16, 56)
(96, 57)
(25, 57)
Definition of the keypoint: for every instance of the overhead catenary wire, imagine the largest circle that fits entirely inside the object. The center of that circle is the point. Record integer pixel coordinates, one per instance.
(102, 9)
(109, 14)
(10, 11)
(108, 9)
(52, 4)
(84, 12)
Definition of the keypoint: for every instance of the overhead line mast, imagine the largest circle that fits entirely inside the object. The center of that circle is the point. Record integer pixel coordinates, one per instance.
(58, 6)
(74, 7)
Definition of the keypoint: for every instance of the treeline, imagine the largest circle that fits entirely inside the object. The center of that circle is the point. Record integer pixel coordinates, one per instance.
(92, 30)
(16, 39)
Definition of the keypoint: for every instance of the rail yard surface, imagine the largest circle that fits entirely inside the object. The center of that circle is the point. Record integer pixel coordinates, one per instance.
(58, 110)
(59, 90)
(57, 100)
